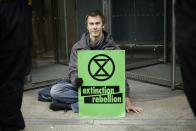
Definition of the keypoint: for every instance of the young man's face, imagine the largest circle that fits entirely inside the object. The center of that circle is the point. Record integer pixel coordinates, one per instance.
(95, 26)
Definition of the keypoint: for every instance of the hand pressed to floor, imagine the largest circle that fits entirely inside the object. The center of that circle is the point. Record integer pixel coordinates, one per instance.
(130, 107)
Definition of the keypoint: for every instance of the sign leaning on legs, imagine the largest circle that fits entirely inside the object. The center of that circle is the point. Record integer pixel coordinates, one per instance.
(102, 93)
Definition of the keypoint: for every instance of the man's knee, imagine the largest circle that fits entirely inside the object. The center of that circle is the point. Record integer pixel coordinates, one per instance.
(55, 90)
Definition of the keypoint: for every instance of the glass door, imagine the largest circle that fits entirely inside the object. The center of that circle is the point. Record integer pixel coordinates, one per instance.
(138, 28)
(143, 29)
(50, 48)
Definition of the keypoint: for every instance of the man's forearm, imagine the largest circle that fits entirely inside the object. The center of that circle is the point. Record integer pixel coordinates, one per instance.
(127, 101)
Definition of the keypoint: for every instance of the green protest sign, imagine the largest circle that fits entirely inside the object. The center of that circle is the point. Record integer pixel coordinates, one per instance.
(102, 93)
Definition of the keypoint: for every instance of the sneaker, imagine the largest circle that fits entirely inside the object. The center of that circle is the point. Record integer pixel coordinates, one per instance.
(56, 106)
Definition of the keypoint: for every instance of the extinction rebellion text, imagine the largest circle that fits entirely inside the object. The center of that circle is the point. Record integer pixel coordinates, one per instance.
(101, 94)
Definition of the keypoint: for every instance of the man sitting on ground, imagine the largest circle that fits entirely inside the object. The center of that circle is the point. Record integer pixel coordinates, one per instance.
(94, 39)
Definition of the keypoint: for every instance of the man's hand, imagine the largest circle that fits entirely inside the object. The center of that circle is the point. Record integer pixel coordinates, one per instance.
(77, 82)
(130, 107)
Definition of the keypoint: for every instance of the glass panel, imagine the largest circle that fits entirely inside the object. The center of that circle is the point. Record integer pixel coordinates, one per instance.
(138, 28)
(49, 40)
(60, 29)
(43, 32)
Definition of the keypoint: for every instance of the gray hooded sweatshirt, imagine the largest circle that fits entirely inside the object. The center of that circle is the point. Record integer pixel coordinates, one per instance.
(106, 43)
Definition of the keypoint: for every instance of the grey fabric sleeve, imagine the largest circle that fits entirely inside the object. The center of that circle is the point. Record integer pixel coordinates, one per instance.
(127, 88)
(73, 71)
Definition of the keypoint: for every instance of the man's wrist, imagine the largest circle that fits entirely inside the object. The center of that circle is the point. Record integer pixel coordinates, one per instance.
(127, 101)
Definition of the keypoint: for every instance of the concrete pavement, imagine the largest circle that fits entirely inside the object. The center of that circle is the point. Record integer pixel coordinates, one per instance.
(164, 110)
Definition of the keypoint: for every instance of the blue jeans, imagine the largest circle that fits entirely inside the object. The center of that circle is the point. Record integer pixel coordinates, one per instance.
(65, 92)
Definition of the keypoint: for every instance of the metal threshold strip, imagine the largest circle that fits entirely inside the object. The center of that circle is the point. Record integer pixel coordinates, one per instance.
(110, 122)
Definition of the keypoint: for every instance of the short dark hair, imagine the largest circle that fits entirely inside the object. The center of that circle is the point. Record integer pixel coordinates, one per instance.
(93, 14)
